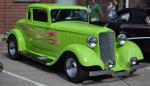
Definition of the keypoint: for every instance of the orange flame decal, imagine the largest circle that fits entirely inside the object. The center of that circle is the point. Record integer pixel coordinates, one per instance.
(53, 41)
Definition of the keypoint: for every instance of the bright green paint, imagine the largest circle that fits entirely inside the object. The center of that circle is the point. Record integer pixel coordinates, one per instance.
(55, 6)
(20, 39)
(127, 51)
(32, 37)
(87, 56)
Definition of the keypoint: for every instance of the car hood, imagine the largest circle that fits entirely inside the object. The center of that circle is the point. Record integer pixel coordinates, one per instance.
(79, 27)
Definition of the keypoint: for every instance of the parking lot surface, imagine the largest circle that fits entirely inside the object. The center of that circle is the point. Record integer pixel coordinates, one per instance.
(27, 72)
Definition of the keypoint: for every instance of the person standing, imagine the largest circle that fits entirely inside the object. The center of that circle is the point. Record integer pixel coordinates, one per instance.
(112, 9)
(120, 5)
(96, 14)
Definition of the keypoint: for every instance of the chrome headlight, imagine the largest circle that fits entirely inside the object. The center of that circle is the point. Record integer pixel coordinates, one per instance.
(122, 39)
(110, 64)
(134, 61)
(92, 41)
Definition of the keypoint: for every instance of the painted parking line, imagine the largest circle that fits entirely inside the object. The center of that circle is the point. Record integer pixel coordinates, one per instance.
(24, 78)
(147, 68)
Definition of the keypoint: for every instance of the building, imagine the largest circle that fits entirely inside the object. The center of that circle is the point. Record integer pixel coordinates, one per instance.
(13, 10)
(68, 2)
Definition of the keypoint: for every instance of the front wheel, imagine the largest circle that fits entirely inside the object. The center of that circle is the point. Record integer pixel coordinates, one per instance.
(12, 48)
(73, 70)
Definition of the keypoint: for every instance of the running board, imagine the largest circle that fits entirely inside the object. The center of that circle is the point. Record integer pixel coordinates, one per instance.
(42, 59)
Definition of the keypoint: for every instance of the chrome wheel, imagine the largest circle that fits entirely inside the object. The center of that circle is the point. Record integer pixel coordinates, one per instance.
(73, 70)
(71, 67)
(12, 47)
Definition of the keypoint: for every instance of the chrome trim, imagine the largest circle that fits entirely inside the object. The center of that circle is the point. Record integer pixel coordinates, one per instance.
(71, 67)
(134, 38)
(12, 48)
(107, 47)
(89, 41)
(137, 26)
(117, 74)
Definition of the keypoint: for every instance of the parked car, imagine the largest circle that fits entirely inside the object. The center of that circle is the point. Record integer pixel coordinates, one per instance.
(138, 33)
(60, 33)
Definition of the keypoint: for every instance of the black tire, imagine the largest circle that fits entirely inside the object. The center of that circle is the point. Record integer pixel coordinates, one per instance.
(132, 72)
(1, 67)
(80, 75)
(12, 48)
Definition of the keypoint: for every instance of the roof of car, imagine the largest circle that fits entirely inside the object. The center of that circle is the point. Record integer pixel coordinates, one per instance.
(55, 6)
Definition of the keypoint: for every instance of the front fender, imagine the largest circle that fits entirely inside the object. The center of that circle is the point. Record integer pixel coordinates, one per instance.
(126, 52)
(85, 55)
(20, 39)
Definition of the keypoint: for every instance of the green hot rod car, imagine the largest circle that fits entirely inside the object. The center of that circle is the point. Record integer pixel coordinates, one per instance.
(58, 33)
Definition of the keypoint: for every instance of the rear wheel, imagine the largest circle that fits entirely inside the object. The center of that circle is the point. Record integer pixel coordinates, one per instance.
(12, 48)
(73, 70)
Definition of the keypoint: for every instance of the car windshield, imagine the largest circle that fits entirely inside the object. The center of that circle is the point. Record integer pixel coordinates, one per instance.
(69, 15)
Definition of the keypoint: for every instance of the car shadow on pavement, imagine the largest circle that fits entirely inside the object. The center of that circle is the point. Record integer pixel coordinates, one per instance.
(147, 57)
(106, 79)
(30, 62)
(57, 70)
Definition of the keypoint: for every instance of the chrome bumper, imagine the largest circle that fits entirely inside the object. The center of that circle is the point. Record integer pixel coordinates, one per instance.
(117, 74)
(1, 67)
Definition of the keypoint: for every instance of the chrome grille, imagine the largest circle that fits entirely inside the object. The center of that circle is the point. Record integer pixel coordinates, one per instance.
(107, 46)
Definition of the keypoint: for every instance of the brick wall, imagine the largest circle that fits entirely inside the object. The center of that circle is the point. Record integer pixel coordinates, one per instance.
(147, 2)
(134, 2)
(11, 12)
(1, 15)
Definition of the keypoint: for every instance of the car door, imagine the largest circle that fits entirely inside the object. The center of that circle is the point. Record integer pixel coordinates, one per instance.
(38, 30)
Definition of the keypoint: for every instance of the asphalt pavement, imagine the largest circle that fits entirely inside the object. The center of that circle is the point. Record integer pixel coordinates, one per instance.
(27, 72)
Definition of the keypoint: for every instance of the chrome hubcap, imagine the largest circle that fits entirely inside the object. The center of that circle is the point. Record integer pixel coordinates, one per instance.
(71, 67)
(12, 47)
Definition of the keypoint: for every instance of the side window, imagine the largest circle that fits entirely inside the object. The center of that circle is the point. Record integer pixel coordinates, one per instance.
(54, 15)
(40, 15)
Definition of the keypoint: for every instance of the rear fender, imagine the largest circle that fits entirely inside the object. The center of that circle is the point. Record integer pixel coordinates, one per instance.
(19, 37)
